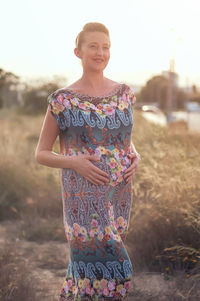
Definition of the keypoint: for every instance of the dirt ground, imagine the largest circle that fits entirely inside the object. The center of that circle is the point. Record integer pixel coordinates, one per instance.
(47, 263)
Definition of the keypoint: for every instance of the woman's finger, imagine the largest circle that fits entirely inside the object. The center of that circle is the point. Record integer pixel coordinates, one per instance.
(95, 182)
(130, 172)
(129, 179)
(133, 166)
(132, 155)
(98, 171)
(129, 176)
(98, 176)
(135, 158)
(130, 168)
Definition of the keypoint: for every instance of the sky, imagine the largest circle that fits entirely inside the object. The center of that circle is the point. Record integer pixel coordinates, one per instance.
(38, 37)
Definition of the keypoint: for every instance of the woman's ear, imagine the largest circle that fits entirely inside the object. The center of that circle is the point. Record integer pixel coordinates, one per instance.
(77, 52)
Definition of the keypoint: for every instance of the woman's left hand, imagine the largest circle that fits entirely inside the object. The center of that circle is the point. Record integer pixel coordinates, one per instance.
(130, 172)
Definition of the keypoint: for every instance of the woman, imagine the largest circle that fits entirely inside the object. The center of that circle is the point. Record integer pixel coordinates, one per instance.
(93, 118)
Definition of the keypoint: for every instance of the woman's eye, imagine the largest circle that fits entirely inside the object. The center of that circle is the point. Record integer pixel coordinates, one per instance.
(94, 46)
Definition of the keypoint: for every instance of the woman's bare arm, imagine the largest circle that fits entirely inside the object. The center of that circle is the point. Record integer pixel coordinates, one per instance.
(134, 150)
(44, 154)
(81, 163)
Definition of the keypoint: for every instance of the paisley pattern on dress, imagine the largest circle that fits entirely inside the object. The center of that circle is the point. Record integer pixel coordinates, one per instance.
(96, 217)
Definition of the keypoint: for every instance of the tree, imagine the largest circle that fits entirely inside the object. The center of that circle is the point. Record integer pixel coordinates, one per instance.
(8, 88)
(35, 94)
(156, 91)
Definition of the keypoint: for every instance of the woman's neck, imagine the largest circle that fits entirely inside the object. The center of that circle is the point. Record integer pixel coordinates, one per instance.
(93, 81)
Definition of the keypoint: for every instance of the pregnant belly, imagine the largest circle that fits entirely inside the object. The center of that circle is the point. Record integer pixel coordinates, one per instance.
(116, 161)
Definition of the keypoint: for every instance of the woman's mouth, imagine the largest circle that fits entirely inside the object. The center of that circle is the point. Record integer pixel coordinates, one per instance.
(98, 60)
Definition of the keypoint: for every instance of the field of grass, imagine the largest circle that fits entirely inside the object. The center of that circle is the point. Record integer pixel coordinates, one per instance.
(164, 230)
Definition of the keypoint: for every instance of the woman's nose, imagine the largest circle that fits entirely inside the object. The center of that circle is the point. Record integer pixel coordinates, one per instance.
(99, 51)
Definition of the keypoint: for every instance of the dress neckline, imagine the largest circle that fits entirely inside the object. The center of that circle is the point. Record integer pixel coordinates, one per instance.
(113, 92)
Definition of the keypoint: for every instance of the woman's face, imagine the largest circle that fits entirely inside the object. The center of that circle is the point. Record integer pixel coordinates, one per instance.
(95, 51)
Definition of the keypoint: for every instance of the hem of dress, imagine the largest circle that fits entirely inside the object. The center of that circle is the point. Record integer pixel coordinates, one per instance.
(72, 298)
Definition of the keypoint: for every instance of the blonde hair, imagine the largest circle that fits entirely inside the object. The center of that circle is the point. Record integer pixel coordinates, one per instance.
(90, 27)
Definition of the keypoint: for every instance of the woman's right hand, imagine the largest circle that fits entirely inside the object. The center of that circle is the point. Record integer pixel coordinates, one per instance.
(82, 165)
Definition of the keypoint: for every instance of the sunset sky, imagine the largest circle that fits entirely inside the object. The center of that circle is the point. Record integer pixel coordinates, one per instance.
(37, 37)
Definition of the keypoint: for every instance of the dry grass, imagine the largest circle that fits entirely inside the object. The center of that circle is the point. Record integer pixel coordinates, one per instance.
(25, 185)
(15, 281)
(166, 192)
(42, 229)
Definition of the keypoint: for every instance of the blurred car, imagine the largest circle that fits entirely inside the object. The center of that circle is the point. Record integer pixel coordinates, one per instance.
(153, 114)
(192, 106)
(152, 109)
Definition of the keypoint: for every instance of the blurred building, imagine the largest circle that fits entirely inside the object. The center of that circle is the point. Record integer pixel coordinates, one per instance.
(172, 89)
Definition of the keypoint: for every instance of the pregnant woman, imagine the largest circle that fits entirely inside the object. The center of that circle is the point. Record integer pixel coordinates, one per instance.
(93, 118)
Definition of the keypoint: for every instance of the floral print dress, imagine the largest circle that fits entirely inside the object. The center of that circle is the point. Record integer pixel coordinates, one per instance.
(96, 217)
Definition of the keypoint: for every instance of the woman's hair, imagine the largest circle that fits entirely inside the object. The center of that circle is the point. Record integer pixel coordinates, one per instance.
(90, 27)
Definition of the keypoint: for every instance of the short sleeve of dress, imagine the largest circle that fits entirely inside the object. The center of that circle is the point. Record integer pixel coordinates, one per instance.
(56, 107)
(132, 96)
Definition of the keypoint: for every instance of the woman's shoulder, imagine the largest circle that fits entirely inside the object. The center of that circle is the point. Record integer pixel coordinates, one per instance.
(115, 84)
(56, 93)
(129, 93)
(126, 88)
